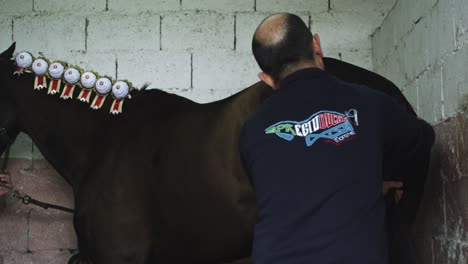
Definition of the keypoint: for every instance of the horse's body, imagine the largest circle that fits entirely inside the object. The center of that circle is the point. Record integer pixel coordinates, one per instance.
(162, 182)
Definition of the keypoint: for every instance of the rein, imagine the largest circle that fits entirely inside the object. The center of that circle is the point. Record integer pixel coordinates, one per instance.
(25, 199)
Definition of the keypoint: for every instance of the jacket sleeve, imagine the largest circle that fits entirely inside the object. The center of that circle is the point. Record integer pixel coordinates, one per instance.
(406, 139)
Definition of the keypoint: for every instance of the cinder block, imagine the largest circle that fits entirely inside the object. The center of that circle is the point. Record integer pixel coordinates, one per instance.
(403, 20)
(360, 57)
(54, 256)
(292, 6)
(448, 143)
(416, 50)
(430, 95)
(420, 8)
(51, 231)
(455, 80)
(16, 7)
(410, 91)
(363, 6)
(197, 31)
(448, 251)
(139, 6)
(463, 147)
(162, 69)
(337, 30)
(44, 185)
(457, 207)
(229, 71)
(461, 21)
(441, 39)
(58, 33)
(5, 32)
(104, 63)
(69, 5)
(123, 32)
(22, 148)
(383, 40)
(246, 24)
(13, 230)
(219, 5)
(394, 68)
(39, 162)
(431, 218)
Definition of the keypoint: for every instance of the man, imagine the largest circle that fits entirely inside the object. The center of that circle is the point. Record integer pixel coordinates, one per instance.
(315, 152)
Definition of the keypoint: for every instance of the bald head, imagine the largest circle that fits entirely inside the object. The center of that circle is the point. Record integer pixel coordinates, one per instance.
(272, 30)
(280, 42)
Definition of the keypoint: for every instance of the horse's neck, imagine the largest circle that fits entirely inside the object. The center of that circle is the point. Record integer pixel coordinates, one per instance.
(64, 132)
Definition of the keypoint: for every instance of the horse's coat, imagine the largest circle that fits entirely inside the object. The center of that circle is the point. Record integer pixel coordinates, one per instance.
(163, 182)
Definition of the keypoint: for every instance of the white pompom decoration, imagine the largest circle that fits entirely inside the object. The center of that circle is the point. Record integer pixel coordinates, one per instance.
(24, 59)
(72, 75)
(120, 90)
(39, 67)
(88, 79)
(103, 86)
(56, 70)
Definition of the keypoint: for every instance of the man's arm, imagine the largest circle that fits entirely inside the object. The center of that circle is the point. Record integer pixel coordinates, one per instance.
(406, 138)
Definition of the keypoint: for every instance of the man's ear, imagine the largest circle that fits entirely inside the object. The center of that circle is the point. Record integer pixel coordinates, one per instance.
(317, 46)
(265, 77)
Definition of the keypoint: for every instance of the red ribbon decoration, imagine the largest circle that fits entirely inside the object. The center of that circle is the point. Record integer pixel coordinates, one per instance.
(68, 92)
(40, 82)
(116, 107)
(18, 70)
(98, 101)
(54, 86)
(84, 95)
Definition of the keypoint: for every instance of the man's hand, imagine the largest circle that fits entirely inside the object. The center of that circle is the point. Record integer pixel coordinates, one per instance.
(5, 184)
(388, 185)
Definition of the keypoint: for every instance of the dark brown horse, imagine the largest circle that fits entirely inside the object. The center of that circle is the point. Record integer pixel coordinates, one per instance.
(160, 183)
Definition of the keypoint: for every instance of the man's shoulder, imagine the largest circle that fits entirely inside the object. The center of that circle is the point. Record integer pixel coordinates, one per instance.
(363, 91)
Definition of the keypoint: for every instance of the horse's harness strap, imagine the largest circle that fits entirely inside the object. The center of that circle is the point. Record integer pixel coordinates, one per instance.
(26, 199)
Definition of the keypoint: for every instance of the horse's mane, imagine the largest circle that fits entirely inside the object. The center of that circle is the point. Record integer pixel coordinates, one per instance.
(140, 98)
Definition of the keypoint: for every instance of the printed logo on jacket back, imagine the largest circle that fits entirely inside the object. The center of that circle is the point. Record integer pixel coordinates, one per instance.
(329, 126)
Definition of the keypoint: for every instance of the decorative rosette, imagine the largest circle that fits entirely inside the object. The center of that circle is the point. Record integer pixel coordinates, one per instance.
(23, 61)
(88, 80)
(39, 67)
(56, 71)
(103, 87)
(120, 90)
(72, 77)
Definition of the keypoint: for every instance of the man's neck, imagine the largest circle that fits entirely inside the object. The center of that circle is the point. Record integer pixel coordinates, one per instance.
(299, 67)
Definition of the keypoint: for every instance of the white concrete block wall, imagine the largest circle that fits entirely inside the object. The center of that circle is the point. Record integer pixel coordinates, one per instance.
(429, 38)
(197, 30)
(105, 32)
(6, 29)
(219, 5)
(68, 5)
(41, 32)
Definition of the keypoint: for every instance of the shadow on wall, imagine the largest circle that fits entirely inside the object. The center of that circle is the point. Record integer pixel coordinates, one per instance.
(441, 229)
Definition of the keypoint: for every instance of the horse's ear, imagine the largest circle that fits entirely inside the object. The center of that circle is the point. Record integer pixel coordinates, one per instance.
(8, 54)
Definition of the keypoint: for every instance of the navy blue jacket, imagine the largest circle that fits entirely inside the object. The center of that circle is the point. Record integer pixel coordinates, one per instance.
(315, 153)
